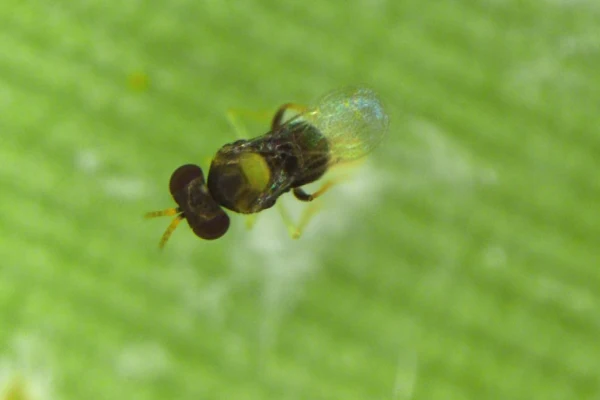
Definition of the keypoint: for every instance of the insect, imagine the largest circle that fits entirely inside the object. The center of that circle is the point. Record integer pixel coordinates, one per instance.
(249, 175)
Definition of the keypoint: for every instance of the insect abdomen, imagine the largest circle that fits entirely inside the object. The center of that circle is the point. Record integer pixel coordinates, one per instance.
(313, 153)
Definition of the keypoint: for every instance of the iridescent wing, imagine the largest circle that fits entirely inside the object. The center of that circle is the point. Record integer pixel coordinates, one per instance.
(352, 120)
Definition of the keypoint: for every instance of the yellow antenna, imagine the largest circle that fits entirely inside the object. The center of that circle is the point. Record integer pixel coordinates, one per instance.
(172, 226)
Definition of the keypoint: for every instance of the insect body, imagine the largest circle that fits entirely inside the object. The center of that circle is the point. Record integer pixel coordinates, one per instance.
(248, 176)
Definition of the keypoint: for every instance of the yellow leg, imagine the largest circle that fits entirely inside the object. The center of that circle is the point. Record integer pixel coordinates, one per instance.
(347, 165)
(303, 196)
(287, 220)
(250, 221)
(234, 117)
(310, 211)
(278, 119)
(295, 230)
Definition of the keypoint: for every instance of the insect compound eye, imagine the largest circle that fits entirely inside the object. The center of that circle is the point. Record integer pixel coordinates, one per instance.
(183, 176)
(212, 228)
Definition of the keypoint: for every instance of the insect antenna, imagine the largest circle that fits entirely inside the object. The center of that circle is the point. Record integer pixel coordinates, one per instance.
(164, 213)
(172, 226)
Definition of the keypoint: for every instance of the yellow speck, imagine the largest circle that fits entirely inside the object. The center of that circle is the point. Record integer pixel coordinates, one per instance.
(138, 81)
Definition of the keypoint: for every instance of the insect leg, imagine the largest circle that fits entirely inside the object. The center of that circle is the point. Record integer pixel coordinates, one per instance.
(287, 220)
(234, 117)
(303, 196)
(312, 209)
(250, 221)
(278, 118)
(295, 230)
(308, 213)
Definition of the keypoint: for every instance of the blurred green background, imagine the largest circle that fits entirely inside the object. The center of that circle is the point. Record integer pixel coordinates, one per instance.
(460, 262)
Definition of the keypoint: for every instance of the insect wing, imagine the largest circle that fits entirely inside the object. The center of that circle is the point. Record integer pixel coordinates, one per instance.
(353, 121)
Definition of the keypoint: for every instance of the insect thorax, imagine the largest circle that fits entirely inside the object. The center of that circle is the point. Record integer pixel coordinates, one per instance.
(249, 176)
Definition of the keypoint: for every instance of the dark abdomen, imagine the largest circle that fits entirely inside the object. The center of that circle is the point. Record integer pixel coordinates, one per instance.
(312, 153)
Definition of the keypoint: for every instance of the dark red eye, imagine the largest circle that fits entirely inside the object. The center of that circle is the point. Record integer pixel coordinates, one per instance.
(183, 176)
(211, 229)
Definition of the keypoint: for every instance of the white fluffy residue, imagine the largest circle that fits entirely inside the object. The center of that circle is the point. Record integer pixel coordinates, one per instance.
(124, 187)
(550, 69)
(589, 4)
(437, 162)
(406, 376)
(529, 78)
(143, 361)
(494, 256)
(576, 298)
(209, 299)
(573, 45)
(6, 95)
(87, 161)
(447, 161)
(283, 264)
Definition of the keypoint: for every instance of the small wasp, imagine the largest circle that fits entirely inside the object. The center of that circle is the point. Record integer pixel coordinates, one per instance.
(248, 176)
